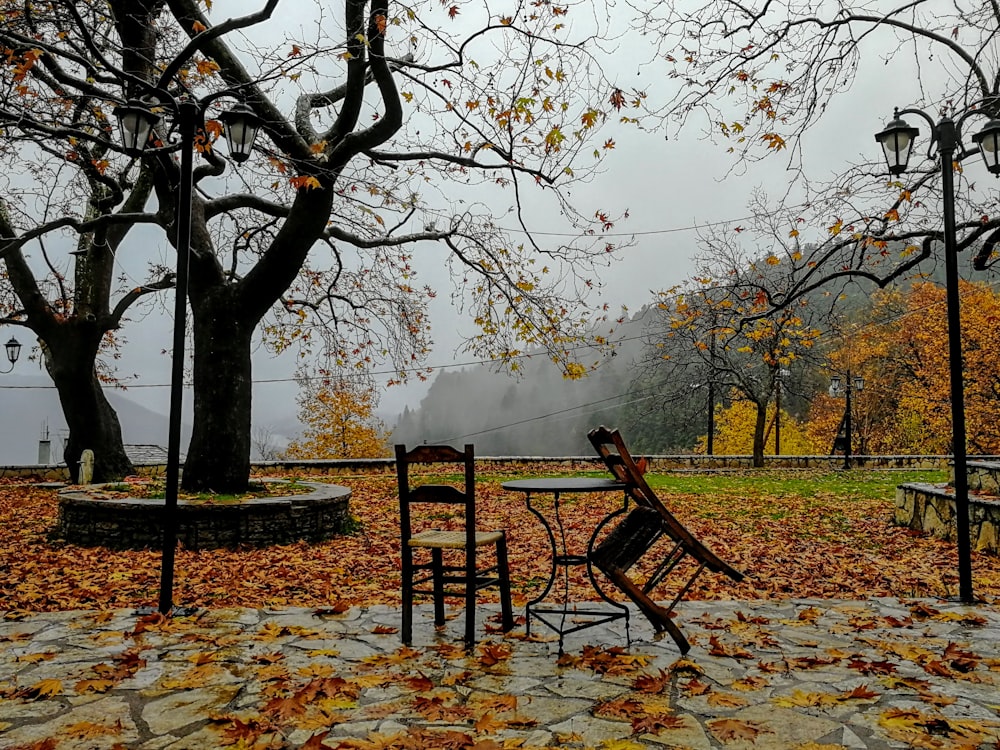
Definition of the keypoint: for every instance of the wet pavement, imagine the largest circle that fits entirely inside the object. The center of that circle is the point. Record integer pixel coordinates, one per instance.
(885, 673)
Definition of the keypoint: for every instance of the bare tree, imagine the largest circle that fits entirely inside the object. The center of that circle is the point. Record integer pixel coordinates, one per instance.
(760, 75)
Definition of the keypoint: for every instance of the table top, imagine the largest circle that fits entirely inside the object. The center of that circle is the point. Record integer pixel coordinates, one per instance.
(565, 484)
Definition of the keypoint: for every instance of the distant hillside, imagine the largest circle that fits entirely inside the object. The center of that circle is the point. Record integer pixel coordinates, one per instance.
(538, 413)
(28, 404)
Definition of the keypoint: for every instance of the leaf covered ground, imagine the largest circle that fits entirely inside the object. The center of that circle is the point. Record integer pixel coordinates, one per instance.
(806, 537)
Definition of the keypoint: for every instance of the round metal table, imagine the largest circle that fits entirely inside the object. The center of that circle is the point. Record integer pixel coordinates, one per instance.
(564, 559)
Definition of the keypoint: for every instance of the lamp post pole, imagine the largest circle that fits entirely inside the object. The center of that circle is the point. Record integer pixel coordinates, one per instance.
(137, 122)
(779, 381)
(848, 436)
(710, 446)
(897, 141)
(948, 140)
(187, 121)
(854, 383)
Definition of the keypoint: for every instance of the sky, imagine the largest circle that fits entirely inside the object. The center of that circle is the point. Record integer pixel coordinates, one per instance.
(669, 187)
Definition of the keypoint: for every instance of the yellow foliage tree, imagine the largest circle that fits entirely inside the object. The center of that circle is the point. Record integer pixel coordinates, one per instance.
(340, 420)
(734, 432)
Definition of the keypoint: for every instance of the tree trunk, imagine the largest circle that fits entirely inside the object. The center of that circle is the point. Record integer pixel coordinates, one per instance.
(69, 358)
(218, 457)
(758, 435)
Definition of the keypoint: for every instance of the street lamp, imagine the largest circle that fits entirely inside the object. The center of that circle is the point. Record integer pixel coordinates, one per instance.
(13, 348)
(897, 142)
(137, 120)
(855, 384)
(779, 378)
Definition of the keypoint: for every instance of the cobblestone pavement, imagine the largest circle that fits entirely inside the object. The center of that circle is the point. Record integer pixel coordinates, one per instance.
(798, 674)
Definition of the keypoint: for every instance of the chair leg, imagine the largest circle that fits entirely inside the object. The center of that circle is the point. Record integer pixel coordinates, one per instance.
(406, 629)
(470, 598)
(503, 572)
(438, 571)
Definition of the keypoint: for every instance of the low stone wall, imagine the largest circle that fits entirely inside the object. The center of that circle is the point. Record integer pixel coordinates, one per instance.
(89, 520)
(677, 462)
(931, 508)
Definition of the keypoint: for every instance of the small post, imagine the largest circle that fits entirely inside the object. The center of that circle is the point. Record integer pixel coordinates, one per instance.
(87, 467)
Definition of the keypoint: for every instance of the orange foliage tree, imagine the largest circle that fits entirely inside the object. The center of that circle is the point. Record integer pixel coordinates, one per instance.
(340, 420)
(903, 355)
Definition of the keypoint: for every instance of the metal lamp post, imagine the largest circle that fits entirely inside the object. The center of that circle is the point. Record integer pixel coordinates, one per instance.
(137, 120)
(778, 380)
(897, 142)
(13, 348)
(857, 383)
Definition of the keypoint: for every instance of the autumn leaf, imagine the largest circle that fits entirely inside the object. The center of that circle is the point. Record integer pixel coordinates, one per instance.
(421, 683)
(307, 182)
(718, 648)
(487, 723)
(315, 742)
(696, 687)
(93, 686)
(725, 700)
(800, 698)
(730, 730)
(491, 654)
(48, 688)
(750, 683)
(649, 683)
(622, 709)
(655, 723)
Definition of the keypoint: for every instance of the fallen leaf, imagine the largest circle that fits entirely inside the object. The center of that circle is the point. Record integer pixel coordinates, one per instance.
(729, 730)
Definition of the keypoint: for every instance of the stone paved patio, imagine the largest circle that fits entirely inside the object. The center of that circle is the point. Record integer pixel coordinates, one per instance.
(794, 674)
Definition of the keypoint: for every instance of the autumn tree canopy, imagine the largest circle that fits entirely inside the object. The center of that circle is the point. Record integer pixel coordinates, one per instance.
(340, 420)
(901, 351)
(720, 333)
(383, 127)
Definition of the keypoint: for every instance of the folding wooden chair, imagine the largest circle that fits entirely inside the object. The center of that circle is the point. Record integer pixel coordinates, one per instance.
(440, 578)
(639, 530)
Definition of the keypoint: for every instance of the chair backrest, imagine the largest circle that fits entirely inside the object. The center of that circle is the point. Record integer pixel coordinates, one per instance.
(611, 448)
(411, 493)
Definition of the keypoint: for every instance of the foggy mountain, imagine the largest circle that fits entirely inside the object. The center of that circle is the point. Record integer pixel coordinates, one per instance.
(30, 404)
(538, 413)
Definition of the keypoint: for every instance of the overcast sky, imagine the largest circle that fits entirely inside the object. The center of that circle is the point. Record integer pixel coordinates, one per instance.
(668, 186)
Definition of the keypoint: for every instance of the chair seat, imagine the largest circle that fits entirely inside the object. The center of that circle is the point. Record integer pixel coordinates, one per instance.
(436, 539)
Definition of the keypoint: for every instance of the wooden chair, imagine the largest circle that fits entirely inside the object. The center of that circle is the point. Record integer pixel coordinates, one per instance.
(639, 531)
(438, 577)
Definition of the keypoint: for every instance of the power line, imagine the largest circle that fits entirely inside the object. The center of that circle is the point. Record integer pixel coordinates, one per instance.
(551, 414)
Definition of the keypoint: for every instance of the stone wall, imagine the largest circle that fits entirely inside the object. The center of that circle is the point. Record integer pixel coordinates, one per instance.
(931, 508)
(678, 462)
(89, 520)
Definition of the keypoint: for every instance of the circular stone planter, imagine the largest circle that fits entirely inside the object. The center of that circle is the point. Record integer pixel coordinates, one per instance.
(87, 519)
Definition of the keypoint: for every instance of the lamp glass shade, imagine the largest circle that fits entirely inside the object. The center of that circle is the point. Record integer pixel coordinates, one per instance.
(897, 142)
(859, 383)
(136, 122)
(241, 125)
(13, 348)
(835, 385)
(988, 140)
